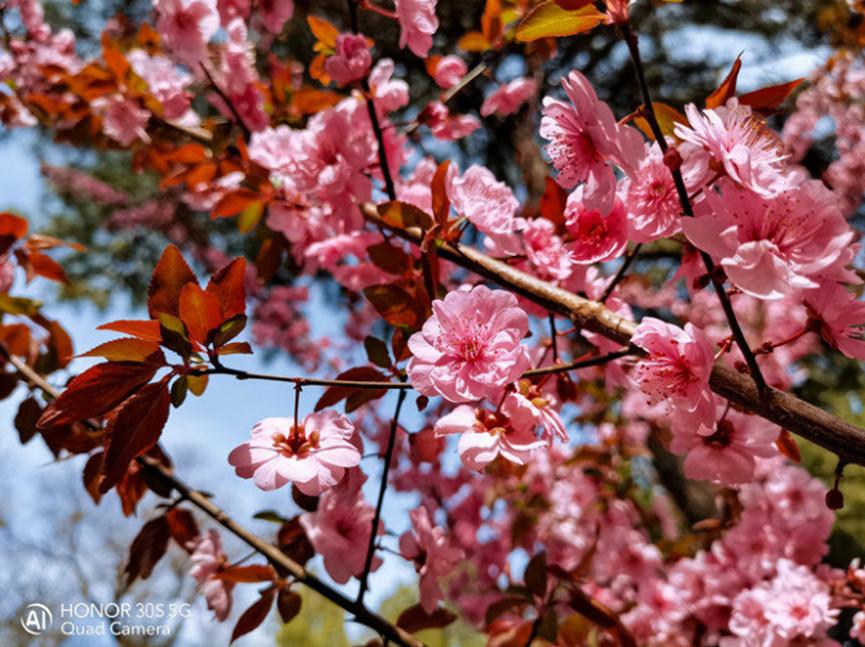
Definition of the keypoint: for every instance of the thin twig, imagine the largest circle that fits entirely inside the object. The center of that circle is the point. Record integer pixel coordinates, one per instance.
(630, 38)
(629, 259)
(388, 458)
(225, 98)
(585, 363)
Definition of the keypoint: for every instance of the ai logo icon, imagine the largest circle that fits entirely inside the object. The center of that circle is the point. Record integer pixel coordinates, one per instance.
(36, 619)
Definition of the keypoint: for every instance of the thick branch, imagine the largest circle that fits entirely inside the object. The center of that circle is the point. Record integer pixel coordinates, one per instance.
(273, 554)
(788, 411)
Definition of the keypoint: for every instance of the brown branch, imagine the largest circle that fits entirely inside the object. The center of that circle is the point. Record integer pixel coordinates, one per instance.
(302, 381)
(785, 409)
(649, 113)
(247, 134)
(273, 554)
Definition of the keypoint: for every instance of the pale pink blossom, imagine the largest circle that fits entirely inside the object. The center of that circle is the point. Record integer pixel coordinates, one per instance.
(594, 236)
(164, 81)
(351, 60)
(738, 142)
(340, 527)
(186, 26)
(434, 556)
(545, 249)
(488, 204)
(507, 98)
(313, 455)
(727, 455)
(527, 406)
(841, 317)
(771, 246)
(585, 141)
(390, 94)
(123, 120)
(208, 559)
(449, 70)
(471, 346)
(7, 275)
(677, 371)
(857, 631)
(485, 435)
(417, 24)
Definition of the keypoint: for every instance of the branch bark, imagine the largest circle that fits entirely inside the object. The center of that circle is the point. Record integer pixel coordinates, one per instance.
(847, 441)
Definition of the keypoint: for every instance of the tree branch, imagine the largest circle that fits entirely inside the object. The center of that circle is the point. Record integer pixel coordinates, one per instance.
(273, 554)
(649, 112)
(782, 408)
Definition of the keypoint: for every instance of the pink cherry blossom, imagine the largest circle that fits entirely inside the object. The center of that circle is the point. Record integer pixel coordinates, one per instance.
(339, 528)
(351, 61)
(390, 94)
(841, 317)
(417, 24)
(122, 119)
(738, 142)
(449, 70)
(275, 13)
(444, 125)
(312, 455)
(470, 347)
(488, 204)
(527, 406)
(585, 140)
(594, 236)
(545, 249)
(434, 556)
(507, 98)
(677, 371)
(186, 26)
(485, 435)
(728, 455)
(164, 81)
(208, 559)
(771, 246)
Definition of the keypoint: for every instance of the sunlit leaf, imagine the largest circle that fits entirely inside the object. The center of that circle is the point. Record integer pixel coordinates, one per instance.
(548, 19)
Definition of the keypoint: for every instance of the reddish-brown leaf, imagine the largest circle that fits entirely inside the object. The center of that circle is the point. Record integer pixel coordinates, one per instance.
(727, 88)
(440, 201)
(768, 99)
(199, 310)
(417, 619)
(182, 526)
(234, 202)
(147, 549)
(136, 429)
(92, 475)
(787, 445)
(395, 305)
(60, 349)
(25, 420)
(96, 391)
(335, 394)
(553, 203)
(146, 330)
(254, 615)
(228, 286)
(47, 267)
(12, 225)
(129, 349)
(288, 604)
(247, 574)
(169, 277)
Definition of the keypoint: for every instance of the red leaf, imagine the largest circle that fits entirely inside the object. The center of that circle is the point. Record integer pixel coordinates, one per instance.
(47, 267)
(417, 619)
(129, 349)
(553, 203)
(228, 285)
(92, 475)
(182, 526)
(288, 604)
(147, 549)
(234, 202)
(146, 330)
(727, 88)
(26, 418)
(767, 99)
(254, 615)
(169, 277)
(12, 225)
(440, 202)
(247, 574)
(396, 305)
(199, 310)
(96, 391)
(335, 394)
(136, 429)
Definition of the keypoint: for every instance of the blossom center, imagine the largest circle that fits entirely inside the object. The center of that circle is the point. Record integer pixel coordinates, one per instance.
(296, 443)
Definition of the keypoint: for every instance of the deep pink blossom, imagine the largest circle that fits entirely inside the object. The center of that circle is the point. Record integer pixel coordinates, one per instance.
(841, 317)
(449, 70)
(208, 559)
(430, 549)
(417, 24)
(351, 60)
(507, 98)
(312, 455)
(594, 236)
(585, 141)
(339, 528)
(677, 371)
(275, 13)
(485, 435)
(738, 142)
(771, 246)
(470, 347)
(186, 26)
